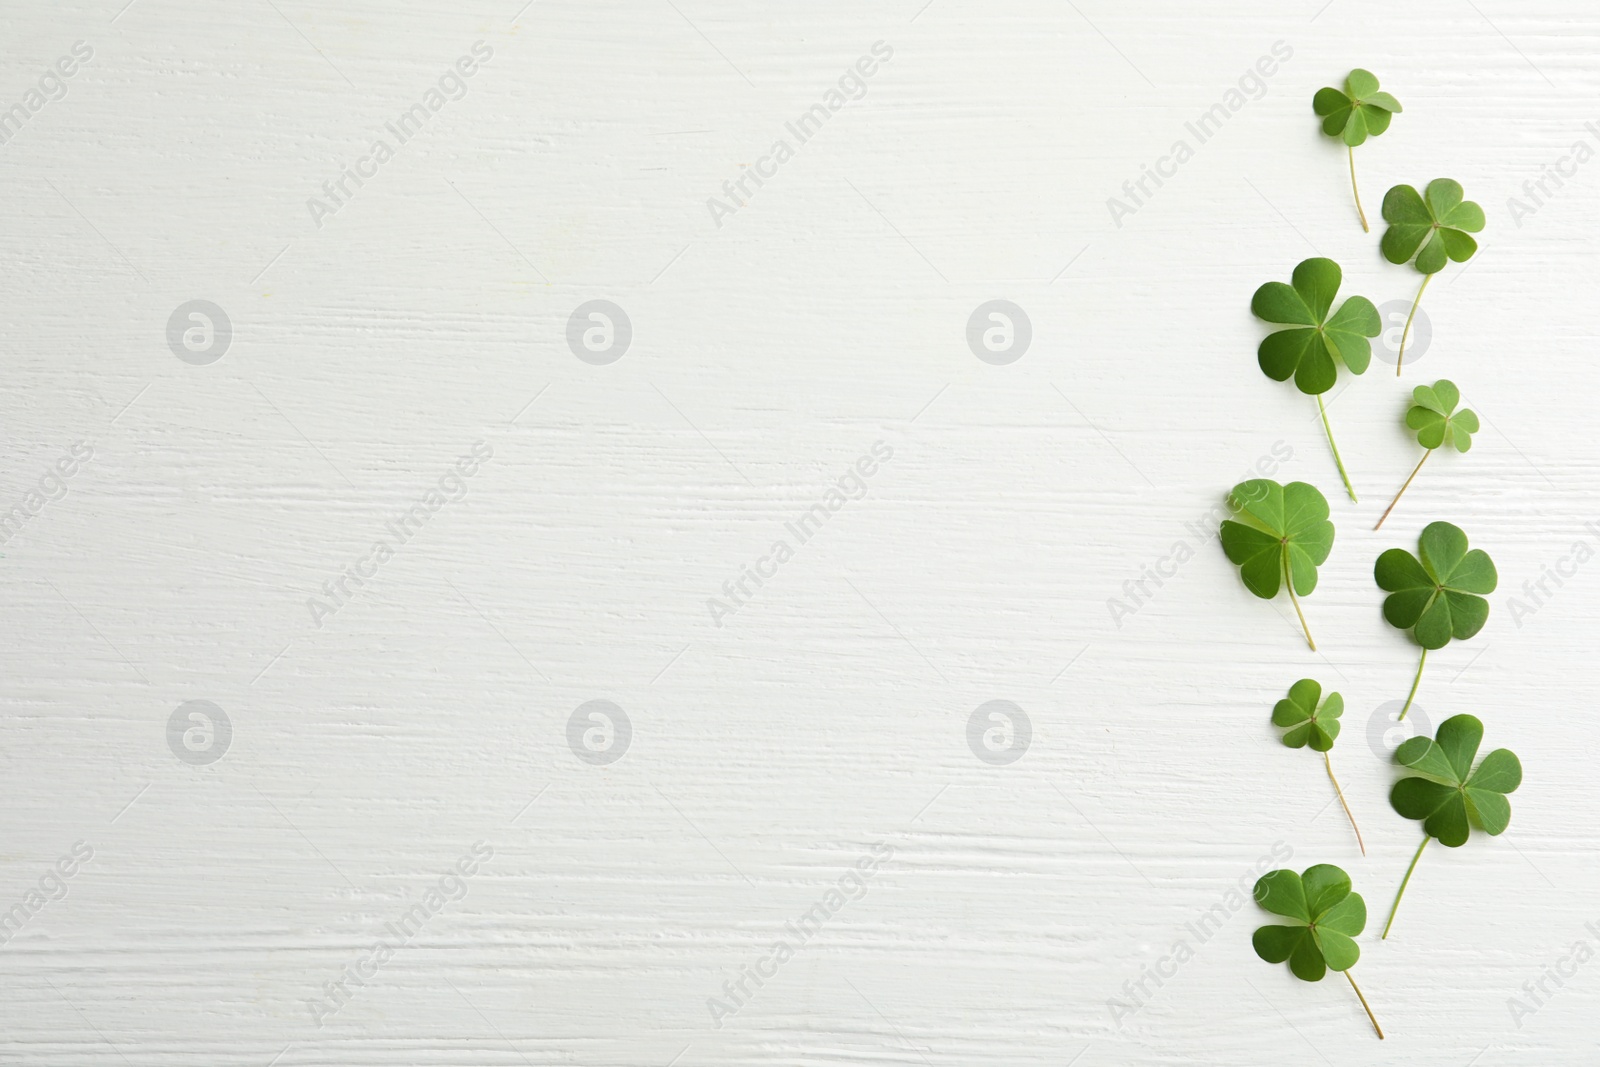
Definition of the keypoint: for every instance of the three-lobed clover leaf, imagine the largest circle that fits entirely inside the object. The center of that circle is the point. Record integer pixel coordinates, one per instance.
(1304, 721)
(1446, 793)
(1308, 719)
(1315, 335)
(1435, 227)
(1306, 349)
(1327, 916)
(1281, 536)
(1438, 596)
(1434, 417)
(1358, 111)
(1436, 420)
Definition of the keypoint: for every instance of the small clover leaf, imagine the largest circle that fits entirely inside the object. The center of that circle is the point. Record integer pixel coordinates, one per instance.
(1354, 114)
(1436, 420)
(1326, 916)
(1438, 596)
(1281, 536)
(1316, 337)
(1307, 723)
(1447, 794)
(1435, 227)
(1434, 417)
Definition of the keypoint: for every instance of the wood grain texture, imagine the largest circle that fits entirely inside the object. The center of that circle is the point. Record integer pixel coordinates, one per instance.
(828, 715)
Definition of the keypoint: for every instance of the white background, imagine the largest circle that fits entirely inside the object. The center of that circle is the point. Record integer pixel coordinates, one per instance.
(830, 712)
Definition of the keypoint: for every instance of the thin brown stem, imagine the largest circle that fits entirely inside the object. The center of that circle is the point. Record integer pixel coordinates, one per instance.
(1426, 278)
(1288, 580)
(1364, 227)
(1329, 764)
(1364, 1004)
(1403, 488)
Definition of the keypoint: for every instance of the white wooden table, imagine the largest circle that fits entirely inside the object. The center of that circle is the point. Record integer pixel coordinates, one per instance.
(341, 804)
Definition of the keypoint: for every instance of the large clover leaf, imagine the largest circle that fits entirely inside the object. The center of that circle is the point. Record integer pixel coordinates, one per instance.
(1315, 335)
(1354, 114)
(1307, 719)
(1435, 228)
(1325, 919)
(1307, 349)
(1281, 536)
(1438, 596)
(1434, 417)
(1447, 794)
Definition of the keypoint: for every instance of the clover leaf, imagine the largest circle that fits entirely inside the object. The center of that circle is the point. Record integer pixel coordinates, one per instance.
(1354, 114)
(1307, 723)
(1314, 338)
(1326, 918)
(1437, 422)
(1282, 535)
(1435, 228)
(1438, 596)
(1447, 794)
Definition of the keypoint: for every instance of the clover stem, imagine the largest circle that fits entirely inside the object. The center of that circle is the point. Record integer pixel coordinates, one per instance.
(1329, 429)
(1288, 580)
(1364, 227)
(1403, 883)
(1348, 814)
(1414, 683)
(1364, 1004)
(1426, 278)
(1403, 488)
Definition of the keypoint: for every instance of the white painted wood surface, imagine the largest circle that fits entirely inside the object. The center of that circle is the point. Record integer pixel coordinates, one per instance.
(828, 714)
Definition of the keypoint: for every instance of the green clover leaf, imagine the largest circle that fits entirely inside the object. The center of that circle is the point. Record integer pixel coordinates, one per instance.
(1436, 420)
(1326, 916)
(1435, 227)
(1307, 719)
(1281, 536)
(1447, 794)
(1316, 337)
(1306, 723)
(1438, 596)
(1434, 417)
(1358, 112)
